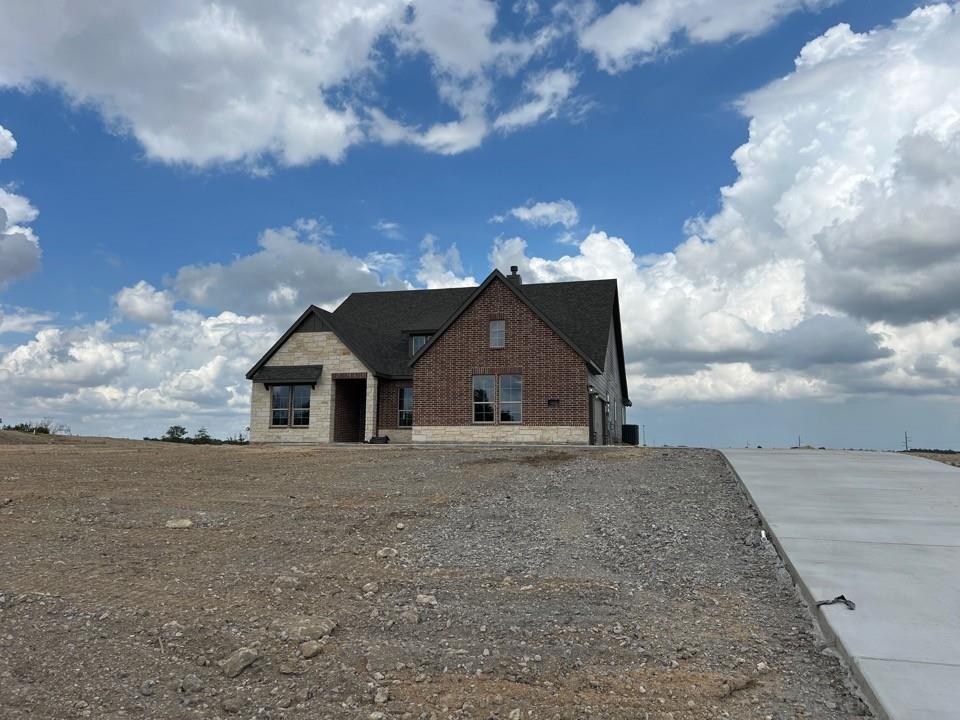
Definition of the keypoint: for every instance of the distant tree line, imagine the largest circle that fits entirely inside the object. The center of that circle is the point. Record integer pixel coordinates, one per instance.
(928, 450)
(178, 434)
(40, 427)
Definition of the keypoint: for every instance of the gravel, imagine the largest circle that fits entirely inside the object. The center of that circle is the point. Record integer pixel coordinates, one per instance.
(523, 583)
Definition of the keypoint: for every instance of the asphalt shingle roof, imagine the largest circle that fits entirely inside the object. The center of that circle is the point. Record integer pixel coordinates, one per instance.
(377, 325)
(283, 374)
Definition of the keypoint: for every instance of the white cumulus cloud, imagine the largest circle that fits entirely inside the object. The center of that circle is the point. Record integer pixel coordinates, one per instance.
(188, 371)
(441, 268)
(19, 245)
(8, 144)
(543, 214)
(293, 267)
(830, 269)
(144, 303)
(205, 83)
(547, 94)
(636, 31)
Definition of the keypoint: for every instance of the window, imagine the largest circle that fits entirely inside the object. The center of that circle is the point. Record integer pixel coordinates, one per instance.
(417, 342)
(511, 398)
(498, 333)
(301, 405)
(290, 405)
(405, 415)
(485, 403)
(280, 405)
(484, 388)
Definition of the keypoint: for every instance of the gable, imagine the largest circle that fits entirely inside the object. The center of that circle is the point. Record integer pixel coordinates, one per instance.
(581, 310)
(497, 279)
(296, 348)
(313, 322)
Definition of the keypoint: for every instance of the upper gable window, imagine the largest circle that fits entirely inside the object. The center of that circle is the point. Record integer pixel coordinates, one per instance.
(417, 342)
(498, 333)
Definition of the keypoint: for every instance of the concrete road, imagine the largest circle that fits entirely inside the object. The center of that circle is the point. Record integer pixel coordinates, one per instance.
(883, 530)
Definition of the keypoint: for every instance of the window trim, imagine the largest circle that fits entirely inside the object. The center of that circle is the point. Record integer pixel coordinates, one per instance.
(502, 333)
(400, 410)
(290, 409)
(492, 402)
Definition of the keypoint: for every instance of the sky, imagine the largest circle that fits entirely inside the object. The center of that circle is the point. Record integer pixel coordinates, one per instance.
(775, 184)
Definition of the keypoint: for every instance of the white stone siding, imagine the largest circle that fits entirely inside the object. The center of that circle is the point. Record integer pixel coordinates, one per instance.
(397, 435)
(370, 414)
(537, 434)
(311, 348)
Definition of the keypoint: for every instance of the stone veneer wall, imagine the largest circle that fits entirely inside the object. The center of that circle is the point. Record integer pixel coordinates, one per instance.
(311, 348)
(402, 436)
(535, 434)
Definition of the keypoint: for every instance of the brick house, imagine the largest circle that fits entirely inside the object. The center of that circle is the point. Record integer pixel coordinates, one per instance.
(501, 362)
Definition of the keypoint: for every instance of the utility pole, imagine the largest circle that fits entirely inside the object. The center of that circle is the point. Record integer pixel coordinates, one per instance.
(906, 442)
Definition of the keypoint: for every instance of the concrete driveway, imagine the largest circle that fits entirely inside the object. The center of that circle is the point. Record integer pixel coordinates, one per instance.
(883, 530)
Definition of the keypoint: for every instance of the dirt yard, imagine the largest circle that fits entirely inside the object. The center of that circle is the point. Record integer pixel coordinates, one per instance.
(523, 583)
(947, 458)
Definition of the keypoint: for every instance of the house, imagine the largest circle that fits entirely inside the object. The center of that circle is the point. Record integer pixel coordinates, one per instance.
(502, 362)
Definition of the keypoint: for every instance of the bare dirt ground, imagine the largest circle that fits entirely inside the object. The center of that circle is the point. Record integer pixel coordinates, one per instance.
(947, 458)
(519, 583)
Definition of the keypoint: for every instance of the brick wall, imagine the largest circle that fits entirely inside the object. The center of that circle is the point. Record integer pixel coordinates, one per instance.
(443, 376)
(389, 402)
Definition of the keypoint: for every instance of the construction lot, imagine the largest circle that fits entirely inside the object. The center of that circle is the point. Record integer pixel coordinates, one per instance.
(473, 583)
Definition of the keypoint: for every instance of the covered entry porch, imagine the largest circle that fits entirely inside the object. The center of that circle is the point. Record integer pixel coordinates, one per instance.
(353, 407)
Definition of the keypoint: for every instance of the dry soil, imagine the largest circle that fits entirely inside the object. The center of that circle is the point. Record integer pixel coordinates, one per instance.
(464, 583)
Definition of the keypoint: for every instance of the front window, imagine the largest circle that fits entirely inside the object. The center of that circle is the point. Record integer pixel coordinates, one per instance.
(511, 398)
(484, 390)
(405, 416)
(280, 405)
(498, 333)
(301, 405)
(290, 405)
(417, 342)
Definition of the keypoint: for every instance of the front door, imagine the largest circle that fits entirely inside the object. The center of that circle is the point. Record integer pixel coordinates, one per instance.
(349, 410)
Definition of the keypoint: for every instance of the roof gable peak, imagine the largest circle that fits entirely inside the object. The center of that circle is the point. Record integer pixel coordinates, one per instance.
(517, 290)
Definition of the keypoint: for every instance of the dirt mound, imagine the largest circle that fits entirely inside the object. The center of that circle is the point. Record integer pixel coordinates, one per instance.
(13, 437)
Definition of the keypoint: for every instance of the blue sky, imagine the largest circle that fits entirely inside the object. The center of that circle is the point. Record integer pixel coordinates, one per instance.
(185, 183)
